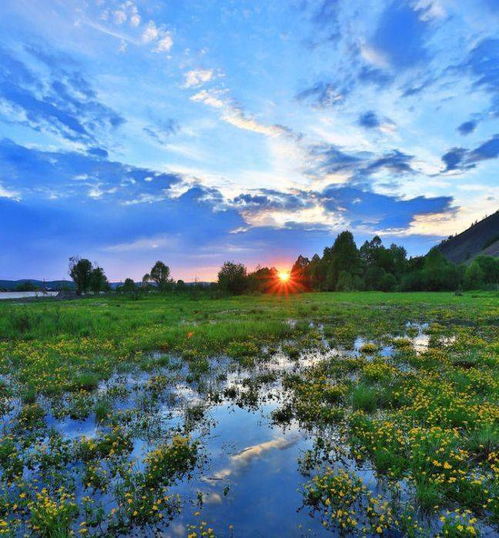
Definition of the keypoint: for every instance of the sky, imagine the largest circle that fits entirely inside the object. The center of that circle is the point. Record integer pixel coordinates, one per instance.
(200, 131)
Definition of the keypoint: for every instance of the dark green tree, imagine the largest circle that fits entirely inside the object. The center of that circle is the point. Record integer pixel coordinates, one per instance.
(80, 270)
(300, 273)
(373, 277)
(129, 286)
(316, 273)
(181, 285)
(98, 280)
(345, 282)
(262, 279)
(490, 267)
(232, 278)
(160, 274)
(438, 274)
(387, 282)
(378, 261)
(344, 257)
(369, 252)
(398, 264)
(473, 276)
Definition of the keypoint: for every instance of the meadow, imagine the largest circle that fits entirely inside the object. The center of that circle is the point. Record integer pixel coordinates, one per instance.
(315, 414)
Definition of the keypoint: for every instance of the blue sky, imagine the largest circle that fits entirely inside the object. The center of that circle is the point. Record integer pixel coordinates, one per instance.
(203, 131)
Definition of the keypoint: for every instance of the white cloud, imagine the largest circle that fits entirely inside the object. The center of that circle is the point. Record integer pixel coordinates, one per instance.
(234, 115)
(444, 224)
(313, 216)
(146, 199)
(119, 16)
(197, 77)
(119, 35)
(7, 193)
(164, 44)
(213, 98)
(430, 9)
(151, 33)
(146, 243)
(242, 459)
(95, 192)
(374, 57)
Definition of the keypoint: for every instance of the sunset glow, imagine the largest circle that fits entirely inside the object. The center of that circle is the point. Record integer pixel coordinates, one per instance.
(283, 276)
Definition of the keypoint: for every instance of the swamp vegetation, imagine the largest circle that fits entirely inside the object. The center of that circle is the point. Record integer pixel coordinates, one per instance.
(315, 414)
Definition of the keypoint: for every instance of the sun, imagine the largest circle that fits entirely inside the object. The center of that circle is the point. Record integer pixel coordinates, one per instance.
(283, 276)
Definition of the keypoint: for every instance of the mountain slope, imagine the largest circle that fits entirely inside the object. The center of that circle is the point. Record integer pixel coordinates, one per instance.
(480, 238)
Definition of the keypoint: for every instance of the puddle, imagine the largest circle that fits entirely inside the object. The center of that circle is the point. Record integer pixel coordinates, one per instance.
(252, 480)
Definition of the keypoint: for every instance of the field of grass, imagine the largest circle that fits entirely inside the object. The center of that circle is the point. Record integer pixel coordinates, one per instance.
(394, 398)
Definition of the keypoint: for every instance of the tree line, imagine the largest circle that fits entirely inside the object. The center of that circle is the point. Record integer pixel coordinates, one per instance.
(342, 267)
(372, 267)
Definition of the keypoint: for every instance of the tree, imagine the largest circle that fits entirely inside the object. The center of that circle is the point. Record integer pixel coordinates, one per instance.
(300, 273)
(344, 257)
(438, 273)
(345, 282)
(160, 273)
(369, 252)
(398, 259)
(379, 261)
(262, 279)
(316, 272)
(80, 270)
(232, 278)
(98, 280)
(373, 277)
(128, 286)
(181, 285)
(490, 267)
(388, 282)
(473, 276)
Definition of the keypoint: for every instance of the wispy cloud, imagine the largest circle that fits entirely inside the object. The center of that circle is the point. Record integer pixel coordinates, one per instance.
(197, 77)
(62, 102)
(142, 244)
(8, 193)
(234, 115)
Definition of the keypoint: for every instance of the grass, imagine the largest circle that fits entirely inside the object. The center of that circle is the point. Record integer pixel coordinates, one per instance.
(365, 398)
(425, 421)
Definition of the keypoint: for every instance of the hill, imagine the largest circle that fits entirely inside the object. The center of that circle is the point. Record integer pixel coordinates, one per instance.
(480, 238)
(47, 284)
(11, 285)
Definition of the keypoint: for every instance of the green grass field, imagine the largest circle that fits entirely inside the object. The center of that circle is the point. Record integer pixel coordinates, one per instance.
(406, 385)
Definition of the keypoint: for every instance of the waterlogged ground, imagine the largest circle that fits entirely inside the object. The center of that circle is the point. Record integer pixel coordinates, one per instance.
(313, 415)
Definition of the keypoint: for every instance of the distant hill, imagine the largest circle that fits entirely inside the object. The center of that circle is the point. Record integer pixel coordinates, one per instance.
(480, 238)
(48, 284)
(64, 284)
